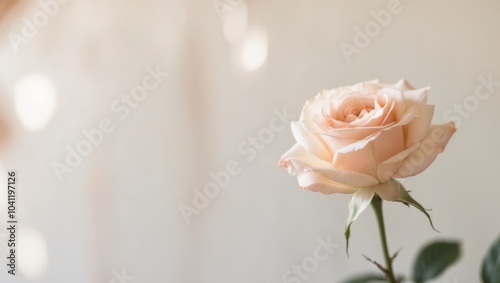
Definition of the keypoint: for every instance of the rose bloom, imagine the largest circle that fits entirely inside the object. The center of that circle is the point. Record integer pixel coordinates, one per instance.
(355, 139)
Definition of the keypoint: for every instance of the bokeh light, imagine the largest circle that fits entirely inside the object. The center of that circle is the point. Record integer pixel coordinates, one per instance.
(35, 101)
(254, 49)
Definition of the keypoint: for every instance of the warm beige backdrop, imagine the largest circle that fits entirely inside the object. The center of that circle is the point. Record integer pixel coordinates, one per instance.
(230, 67)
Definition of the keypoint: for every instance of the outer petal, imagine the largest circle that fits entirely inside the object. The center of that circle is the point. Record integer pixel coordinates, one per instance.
(402, 85)
(418, 96)
(388, 168)
(417, 129)
(435, 142)
(291, 160)
(315, 182)
(368, 87)
(311, 142)
(298, 160)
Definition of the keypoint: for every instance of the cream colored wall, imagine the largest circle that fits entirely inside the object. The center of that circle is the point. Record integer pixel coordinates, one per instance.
(119, 209)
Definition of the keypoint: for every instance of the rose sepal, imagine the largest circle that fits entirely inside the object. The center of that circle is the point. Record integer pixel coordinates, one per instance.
(391, 190)
(405, 198)
(358, 203)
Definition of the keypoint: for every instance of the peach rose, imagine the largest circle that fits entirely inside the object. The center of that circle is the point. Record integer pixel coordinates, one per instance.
(355, 139)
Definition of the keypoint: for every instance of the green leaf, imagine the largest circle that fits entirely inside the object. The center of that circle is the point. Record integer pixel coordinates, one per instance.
(406, 199)
(434, 259)
(359, 201)
(366, 278)
(491, 265)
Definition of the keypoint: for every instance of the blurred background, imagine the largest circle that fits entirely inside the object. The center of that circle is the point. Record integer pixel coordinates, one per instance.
(118, 114)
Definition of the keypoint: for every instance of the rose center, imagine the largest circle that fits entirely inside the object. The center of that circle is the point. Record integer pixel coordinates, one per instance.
(356, 112)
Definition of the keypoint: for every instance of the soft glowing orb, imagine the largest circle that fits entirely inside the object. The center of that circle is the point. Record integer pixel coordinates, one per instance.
(254, 49)
(35, 101)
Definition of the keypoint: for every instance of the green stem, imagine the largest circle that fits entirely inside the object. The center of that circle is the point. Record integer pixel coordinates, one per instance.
(377, 207)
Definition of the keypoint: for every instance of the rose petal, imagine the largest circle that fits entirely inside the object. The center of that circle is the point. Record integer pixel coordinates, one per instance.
(368, 86)
(396, 95)
(377, 116)
(402, 85)
(417, 129)
(353, 133)
(389, 118)
(365, 155)
(388, 168)
(287, 160)
(313, 107)
(435, 142)
(298, 160)
(372, 118)
(315, 182)
(418, 96)
(311, 142)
